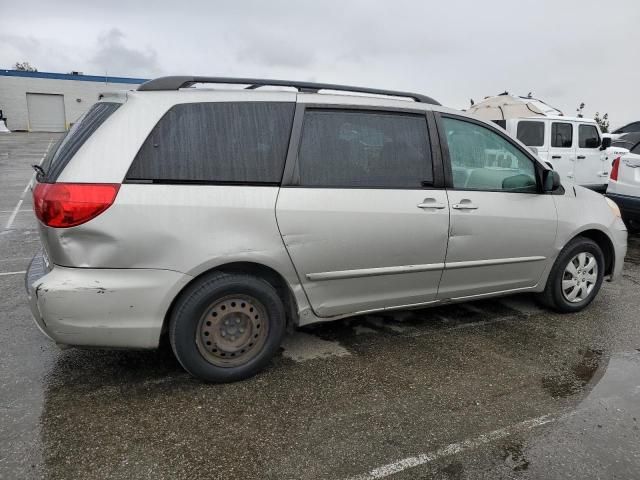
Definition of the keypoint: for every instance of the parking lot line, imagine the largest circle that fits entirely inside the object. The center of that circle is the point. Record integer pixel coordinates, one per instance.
(453, 449)
(15, 211)
(3, 274)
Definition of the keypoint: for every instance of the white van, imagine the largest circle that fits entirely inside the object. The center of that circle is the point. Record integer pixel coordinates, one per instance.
(572, 146)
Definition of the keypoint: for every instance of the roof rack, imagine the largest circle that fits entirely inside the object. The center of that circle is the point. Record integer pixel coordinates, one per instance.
(177, 82)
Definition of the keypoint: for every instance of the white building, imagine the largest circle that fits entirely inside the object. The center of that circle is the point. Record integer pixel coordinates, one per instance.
(50, 102)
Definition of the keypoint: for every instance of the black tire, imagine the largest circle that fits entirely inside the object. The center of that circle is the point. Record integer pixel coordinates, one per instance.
(206, 297)
(553, 296)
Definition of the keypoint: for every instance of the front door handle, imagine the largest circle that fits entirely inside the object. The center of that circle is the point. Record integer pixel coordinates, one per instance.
(556, 157)
(581, 157)
(464, 206)
(431, 203)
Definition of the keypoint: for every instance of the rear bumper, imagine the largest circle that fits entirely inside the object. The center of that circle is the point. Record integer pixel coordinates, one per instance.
(629, 206)
(122, 308)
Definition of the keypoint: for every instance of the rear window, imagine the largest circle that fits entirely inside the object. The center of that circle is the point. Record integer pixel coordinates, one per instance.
(531, 133)
(228, 142)
(66, 148)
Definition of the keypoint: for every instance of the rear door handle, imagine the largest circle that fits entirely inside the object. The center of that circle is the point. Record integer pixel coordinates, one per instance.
(556, 157)
(581, 157)
(464, 206)
(431, 203)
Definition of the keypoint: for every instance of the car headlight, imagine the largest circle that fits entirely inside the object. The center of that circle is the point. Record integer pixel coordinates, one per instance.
(614, 207)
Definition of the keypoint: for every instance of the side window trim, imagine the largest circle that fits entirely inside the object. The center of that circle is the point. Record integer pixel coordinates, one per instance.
(291, 176)
(446, 158)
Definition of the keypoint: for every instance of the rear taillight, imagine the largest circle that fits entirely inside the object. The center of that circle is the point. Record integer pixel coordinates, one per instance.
(64, 205)
(615, 167)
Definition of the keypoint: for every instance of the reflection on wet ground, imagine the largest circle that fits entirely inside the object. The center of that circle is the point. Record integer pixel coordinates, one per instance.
(491, 389)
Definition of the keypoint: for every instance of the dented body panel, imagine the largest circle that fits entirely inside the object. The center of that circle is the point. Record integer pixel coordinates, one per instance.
(104, 307)
(340, 252)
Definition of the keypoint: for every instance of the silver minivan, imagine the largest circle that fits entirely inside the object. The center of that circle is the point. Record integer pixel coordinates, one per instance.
(222, 217)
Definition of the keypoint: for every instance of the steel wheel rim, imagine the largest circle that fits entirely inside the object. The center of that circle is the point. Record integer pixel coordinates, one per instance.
(580, 277)
(232, 330)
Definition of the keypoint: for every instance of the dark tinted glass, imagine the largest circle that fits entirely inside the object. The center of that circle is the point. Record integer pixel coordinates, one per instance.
(636, 149)
(588, 136)
(561, 135)
(632, 127)
(621, 143)
(65, 149)
(364, 149)
(234, 142)
(531, 133)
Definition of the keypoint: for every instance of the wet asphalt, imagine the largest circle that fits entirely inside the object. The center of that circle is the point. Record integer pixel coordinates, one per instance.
(491, 389)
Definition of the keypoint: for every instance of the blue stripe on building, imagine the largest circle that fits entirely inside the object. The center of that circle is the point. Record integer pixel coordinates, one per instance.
(70, 76)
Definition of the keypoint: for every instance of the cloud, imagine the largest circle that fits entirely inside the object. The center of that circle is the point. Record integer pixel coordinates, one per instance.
(278, 52)
(451, 51)
(114, 57)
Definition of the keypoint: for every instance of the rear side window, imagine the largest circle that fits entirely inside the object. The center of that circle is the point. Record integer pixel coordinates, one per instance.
(59, 157)
(561, 135)
(234, 142)
(364, 149)
(588, 136)
(531, 133)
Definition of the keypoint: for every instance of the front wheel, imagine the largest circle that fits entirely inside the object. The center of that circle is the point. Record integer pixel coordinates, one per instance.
(576, 276)
(226, 327)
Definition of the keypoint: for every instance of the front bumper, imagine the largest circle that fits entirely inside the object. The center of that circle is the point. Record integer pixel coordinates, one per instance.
(620, 250)
(122, 308)
(629, 206)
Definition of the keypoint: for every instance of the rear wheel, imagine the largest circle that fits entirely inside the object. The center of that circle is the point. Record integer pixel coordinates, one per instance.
(226, 327)
(576, 276)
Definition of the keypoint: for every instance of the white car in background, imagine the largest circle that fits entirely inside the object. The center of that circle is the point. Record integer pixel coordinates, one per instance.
(624, 180)
(572, 146)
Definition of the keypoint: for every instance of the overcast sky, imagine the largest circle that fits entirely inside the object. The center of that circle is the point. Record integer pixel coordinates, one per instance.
(565, 52)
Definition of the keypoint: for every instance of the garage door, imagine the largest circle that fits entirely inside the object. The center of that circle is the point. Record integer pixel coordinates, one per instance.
(46, 112)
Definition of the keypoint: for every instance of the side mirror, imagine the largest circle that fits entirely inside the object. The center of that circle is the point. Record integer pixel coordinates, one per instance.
(606, 143)
(550, 165)
(551, 181)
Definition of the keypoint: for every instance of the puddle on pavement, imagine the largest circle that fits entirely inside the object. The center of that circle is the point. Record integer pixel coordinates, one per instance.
(514, 457)
(574, 380)
(411, 322)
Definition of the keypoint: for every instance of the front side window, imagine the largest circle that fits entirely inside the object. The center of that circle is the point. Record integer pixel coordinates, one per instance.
(561, 135)
(588, 136)
(483, 160)
(226, 142)
(531, 133)
(344, 149)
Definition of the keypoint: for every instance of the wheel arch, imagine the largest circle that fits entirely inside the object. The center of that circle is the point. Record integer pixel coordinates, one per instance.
(604, 242)
(259, 270)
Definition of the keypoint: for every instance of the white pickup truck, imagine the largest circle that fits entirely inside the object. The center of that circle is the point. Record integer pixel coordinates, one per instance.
(624, 180)
(573, 146)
